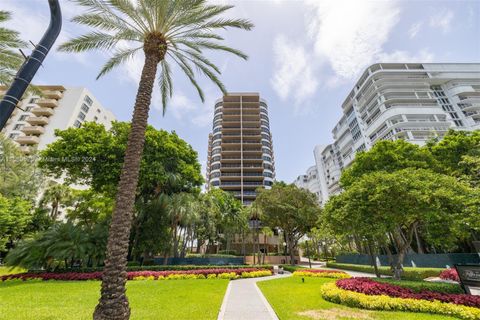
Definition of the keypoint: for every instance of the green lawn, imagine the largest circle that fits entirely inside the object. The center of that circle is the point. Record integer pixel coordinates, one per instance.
(59, 300)
(291, 299)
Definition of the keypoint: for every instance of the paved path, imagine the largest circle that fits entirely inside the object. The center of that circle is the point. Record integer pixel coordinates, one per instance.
(244, 301)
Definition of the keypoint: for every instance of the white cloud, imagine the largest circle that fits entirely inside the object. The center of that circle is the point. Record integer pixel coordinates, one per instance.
(403, 56)
(442, 19)
(350, 33)
(414, 29)
(294, 75)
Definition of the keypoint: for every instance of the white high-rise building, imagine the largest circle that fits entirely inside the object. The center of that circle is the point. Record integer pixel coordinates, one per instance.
(33, 126)
(390, 101)
(310, 181)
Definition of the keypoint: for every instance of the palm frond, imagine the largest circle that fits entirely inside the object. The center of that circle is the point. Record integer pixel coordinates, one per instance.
(96, 40)
(166, 88)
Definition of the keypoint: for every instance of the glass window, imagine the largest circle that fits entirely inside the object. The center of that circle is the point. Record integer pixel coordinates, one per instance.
(23, 117)
(27, 109)
(33, 100)
(88, 100)
(77, 124)
(13, 135)
(18, 127)
(81, 116)
(85, 107)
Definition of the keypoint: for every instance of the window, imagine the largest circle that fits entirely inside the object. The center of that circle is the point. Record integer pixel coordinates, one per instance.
(13, 135)
(27, 109)
(88, 100)
(18, 127)
(85, 107)
(95, 118)
(458, 123)
(23, 117)
(81, 116)
(98, 110)
(33, 100)
(77, 124)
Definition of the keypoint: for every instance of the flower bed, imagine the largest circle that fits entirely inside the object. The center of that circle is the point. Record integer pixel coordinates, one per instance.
(319, 273)
(142, 275)
(332, 293)
(449, 274)
(370, 287)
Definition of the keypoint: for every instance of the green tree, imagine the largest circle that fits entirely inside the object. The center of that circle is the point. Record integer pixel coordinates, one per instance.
(295, 211)
(15, 216)
(19, 175)
(177, 30)
(57, 196)
(388, 156)
(10, 58)
(398, 203)
(89, 208)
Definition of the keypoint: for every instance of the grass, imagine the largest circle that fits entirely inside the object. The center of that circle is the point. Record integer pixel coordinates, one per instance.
(293, 300)
(64, 300)
(408, 272)
(8, 270)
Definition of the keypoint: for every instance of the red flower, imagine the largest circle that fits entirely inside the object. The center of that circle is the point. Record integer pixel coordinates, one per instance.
(370, 287)
(450, 274)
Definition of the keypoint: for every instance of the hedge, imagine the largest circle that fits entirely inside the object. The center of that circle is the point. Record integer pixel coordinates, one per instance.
(162, 268)
(418, 286)
(318, 273)
(332, 293)
(408, 272)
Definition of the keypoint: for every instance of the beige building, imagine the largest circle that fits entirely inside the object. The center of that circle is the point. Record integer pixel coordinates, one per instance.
(240, 151)
(32, 125)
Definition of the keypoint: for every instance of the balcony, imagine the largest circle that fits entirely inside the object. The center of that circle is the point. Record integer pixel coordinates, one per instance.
(42, 111)
(47, 103)
(26, 149)
(52, 94)
(37, 120)
(27, 140)
(33, 130)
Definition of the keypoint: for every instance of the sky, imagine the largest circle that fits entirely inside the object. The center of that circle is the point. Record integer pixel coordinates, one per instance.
(304, 58)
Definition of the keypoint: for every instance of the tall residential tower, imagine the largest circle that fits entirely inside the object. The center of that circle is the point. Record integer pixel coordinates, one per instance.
(240, 152)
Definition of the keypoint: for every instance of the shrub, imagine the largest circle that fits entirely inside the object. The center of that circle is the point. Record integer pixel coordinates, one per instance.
(332, 293)
(408, 272)
(370, 287)
(418, 286)
(450, 274)
(163, 268)
(318, 273)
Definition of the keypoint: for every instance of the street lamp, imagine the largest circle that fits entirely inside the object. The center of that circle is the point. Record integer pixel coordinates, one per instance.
(254, 224)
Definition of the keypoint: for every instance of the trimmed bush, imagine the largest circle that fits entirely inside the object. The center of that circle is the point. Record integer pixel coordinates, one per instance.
(418, 286)
(408, 272)
(370, 287)
(318, 273)
(332, 293)
(450, 274)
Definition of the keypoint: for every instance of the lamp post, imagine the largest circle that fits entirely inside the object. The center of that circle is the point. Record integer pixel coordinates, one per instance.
(254, 224)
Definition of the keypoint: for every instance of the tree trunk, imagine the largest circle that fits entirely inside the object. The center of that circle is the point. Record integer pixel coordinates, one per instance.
(373, 258)
(419, 242)
(113, 303)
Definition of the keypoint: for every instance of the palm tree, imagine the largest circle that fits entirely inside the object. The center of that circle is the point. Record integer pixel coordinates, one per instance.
(10, 58)
(167, 31)
(57, 195)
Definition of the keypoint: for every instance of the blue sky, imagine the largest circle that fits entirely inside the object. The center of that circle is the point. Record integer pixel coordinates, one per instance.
(305, 57)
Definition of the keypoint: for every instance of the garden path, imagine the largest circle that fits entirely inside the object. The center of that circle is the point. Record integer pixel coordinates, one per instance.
(244, 301)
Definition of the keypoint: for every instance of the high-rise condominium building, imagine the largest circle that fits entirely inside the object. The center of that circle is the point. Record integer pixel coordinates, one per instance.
(310, 181)
(390, 101)
(58, 107)
(240, 152)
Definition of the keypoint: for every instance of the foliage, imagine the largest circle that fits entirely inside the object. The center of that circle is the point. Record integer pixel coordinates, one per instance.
(15, 217)
(387, 156)
(371, 287)
(19, 175)
(398, 203)
(62, 245)
(321, 274)
(88, 207)
(135, 275)
(57, 196)
(408, 272)
(10, 58)
(166, 268)
(94, 156)
(450, 274)
(418, 286)
(295, 211)
(296, 300)
(332, 293)
(182, 299)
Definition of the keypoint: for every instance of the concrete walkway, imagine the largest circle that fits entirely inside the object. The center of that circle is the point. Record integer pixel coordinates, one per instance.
(244, 301)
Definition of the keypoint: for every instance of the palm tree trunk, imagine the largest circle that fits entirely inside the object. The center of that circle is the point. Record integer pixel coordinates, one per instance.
(113, 303)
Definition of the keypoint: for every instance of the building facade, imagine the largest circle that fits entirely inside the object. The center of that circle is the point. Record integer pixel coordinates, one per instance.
(240, 151)
(310, 181)
(411, 101)
(33, 126)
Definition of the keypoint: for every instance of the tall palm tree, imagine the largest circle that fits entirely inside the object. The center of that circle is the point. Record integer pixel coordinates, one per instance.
(10, 58)
(168, 31)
